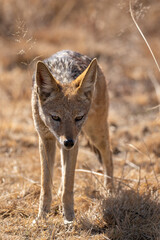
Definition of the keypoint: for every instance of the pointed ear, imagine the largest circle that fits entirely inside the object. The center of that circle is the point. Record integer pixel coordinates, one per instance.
(85, 82)
(46, 83)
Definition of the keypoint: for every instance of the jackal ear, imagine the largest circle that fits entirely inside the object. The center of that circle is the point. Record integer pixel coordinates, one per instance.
(46, 83)
(85, 82)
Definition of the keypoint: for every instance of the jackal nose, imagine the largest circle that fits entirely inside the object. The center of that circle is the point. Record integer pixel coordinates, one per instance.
(68, 143)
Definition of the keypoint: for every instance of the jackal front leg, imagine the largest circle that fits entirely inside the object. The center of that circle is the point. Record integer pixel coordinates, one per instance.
(47, 150)
(68, 159)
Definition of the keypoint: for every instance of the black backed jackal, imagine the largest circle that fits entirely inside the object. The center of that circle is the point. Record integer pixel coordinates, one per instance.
(69, 95)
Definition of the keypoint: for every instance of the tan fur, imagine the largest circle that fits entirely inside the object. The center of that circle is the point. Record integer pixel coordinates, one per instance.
(57, 109)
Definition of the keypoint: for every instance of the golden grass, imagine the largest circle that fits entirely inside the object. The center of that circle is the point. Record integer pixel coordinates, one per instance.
(132, 211)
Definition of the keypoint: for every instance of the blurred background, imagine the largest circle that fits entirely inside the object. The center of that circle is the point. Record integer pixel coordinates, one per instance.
(33, 30)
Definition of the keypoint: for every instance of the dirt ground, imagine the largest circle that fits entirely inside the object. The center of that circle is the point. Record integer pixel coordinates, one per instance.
(33, 30)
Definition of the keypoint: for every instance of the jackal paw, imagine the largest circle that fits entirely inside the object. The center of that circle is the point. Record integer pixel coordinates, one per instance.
(35, 221)
(68, 216)
(69, 223)
(42, 216)
(110, 186)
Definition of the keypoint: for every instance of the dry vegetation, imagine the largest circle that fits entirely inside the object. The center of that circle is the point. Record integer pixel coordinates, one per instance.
(31, 30)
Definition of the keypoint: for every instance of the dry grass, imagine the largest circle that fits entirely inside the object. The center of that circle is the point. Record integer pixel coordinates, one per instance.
(132, 211)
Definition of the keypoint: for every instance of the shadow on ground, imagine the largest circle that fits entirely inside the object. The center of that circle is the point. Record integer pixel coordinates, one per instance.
(126, 215)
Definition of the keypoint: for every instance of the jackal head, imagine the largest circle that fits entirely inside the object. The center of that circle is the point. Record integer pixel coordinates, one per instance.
(64, 107)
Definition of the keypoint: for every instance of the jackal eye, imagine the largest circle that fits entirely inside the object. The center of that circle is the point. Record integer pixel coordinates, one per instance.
(79, 118)
(56, 118)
